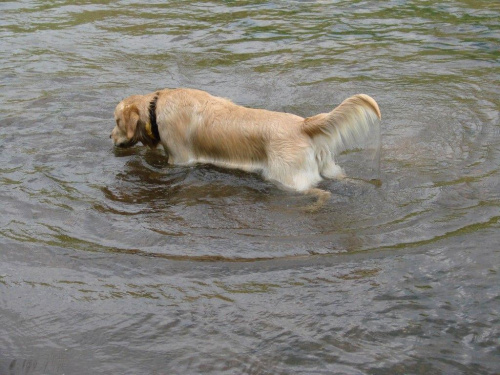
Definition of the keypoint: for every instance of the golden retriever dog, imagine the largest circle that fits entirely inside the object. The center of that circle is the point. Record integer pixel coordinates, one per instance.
(196, 127)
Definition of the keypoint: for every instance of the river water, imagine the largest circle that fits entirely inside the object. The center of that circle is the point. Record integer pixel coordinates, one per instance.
(114, 262)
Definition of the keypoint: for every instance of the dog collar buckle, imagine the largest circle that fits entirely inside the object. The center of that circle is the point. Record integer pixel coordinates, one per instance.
(149, 130)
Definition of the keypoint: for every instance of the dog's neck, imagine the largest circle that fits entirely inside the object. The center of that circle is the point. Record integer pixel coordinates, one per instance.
(152, 125)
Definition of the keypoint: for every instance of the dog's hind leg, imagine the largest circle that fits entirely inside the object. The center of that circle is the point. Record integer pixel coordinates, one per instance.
(322, 197)
(332, 171)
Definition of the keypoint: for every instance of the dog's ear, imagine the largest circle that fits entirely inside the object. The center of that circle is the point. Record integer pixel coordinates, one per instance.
(131, 118)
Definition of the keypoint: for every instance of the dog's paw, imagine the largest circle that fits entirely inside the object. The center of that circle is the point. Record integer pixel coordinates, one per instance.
(322, 196)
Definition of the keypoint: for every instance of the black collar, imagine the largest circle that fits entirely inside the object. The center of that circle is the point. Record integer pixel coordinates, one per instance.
(152, 118)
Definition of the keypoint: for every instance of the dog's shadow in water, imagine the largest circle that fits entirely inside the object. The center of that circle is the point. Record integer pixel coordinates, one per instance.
(148, 180)
(146, 177)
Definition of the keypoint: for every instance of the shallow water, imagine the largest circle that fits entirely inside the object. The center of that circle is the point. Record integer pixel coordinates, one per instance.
(112, 261)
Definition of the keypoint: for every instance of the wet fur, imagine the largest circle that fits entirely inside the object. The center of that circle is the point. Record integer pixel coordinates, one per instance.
(296, 153)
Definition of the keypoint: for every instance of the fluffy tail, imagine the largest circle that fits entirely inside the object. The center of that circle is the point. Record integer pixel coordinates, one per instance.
(347, 124)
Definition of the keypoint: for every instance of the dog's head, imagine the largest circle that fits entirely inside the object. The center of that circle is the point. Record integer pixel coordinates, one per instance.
(127, 118)
(132, 120)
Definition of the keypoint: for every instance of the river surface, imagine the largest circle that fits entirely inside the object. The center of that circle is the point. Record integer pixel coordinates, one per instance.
(114, 262)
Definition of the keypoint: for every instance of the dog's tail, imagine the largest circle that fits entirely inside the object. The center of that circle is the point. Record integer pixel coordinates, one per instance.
(347, 124)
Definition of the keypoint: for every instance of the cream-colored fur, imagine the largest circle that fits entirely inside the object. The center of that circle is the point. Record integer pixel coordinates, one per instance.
(196, 127)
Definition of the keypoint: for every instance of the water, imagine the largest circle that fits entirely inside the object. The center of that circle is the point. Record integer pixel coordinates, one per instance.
(114, 262)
